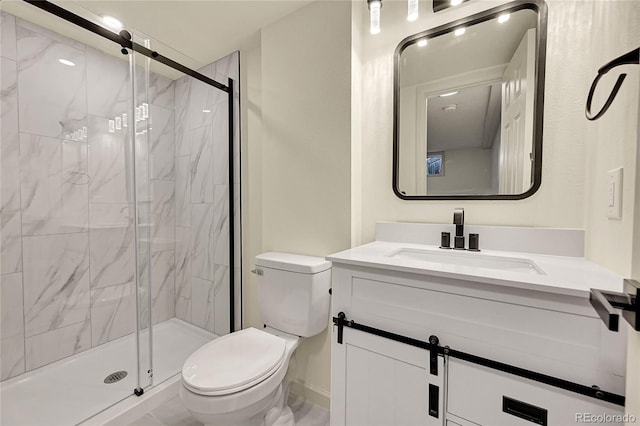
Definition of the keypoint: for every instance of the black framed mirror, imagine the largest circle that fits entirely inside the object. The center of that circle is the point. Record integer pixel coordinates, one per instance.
(468, 107)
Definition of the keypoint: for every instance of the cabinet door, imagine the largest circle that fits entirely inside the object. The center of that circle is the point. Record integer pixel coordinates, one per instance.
(386, 383)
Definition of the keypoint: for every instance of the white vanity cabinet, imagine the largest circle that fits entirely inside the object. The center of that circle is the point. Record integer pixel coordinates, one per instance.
(378, 381)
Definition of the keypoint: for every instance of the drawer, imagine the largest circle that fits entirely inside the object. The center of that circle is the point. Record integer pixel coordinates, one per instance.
(493, 398)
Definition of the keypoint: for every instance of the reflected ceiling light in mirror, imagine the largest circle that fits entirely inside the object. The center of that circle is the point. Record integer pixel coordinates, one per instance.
(66, 62)
(449, 108)
(444, 95)
(439, 5)
(504, 18)
(206, 110)
(412, 10)
(459, 31)
(374, 15)
(422, 42)
(112, 22)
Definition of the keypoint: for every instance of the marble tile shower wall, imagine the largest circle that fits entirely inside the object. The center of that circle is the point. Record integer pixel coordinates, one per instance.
(67, 243)
(202, 198)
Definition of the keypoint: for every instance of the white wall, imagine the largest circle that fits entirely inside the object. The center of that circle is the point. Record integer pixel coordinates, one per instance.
(466, 171)
(358, 21)
(251, 169)
(298, 164)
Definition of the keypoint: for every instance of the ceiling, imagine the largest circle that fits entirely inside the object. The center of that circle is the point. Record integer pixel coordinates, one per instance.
(477, 107)
(482, 45)
(194, 33)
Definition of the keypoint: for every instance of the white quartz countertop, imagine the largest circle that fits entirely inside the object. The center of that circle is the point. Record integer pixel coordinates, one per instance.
(571, 276)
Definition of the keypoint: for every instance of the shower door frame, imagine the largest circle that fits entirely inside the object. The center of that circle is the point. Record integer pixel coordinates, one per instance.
(124, 39)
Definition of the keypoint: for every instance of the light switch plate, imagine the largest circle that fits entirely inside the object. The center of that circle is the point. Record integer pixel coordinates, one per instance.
(614, 194)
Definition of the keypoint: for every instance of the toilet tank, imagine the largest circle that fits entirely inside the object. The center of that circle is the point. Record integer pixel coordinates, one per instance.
(293, 292)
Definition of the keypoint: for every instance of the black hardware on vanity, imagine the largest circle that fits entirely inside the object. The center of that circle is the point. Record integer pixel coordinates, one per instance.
(474, 242)
(458, 239)
(433, 355)
(524, 411)
(608, 305)
(458, 221)
(591, 391)
(445, 240)
(434, 400)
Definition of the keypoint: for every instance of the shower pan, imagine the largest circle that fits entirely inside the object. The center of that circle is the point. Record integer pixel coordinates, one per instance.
(119, 212)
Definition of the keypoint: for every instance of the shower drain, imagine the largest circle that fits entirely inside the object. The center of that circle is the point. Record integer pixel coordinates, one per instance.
(115, 377)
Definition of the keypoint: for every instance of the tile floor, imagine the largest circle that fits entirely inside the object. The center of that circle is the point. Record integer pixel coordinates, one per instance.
(172, 413)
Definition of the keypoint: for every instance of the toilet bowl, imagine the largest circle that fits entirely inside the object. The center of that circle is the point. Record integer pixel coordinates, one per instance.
(237, 379)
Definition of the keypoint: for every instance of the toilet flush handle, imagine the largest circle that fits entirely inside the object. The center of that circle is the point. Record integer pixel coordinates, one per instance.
(257, 271)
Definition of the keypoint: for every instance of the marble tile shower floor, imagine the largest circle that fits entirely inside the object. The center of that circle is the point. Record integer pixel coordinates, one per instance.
(73, 389)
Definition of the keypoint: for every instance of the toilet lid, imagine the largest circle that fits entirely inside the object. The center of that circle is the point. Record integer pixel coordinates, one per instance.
(233, 362)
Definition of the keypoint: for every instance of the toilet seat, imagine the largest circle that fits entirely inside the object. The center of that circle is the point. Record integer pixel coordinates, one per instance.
(234, 362)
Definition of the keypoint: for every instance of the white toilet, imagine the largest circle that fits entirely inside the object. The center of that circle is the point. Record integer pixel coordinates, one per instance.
(237, 379)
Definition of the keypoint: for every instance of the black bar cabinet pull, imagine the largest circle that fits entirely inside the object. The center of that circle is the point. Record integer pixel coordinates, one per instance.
(434, 400)
(608, 303)
(524, 411)
(603, 307)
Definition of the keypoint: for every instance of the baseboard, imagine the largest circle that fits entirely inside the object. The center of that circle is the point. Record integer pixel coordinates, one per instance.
(311, 393)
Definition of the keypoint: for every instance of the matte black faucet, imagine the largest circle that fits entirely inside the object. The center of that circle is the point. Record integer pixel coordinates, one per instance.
(458, 221)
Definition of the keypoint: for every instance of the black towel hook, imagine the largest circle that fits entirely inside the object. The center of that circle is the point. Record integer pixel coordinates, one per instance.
(630, 58)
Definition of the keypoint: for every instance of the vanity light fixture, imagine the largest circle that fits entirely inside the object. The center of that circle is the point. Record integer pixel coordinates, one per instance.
(206, 110)
(422, 42)
(66, 62)
(444, 95)
(504, 18)
(374, 15)
(412, 10)
(459, 31)
(112, 22)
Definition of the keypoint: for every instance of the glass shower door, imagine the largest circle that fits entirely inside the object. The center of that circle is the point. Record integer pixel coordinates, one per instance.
(184, 208)
(146, 225)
